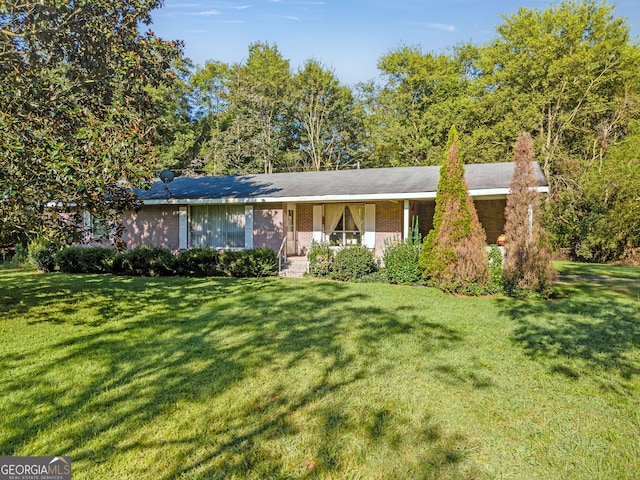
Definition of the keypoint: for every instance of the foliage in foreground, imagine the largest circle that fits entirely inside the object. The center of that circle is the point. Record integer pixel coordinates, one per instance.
(163, 378)
(78, 124)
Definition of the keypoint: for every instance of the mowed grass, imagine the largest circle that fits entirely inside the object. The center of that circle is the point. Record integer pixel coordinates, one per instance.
(162, 378)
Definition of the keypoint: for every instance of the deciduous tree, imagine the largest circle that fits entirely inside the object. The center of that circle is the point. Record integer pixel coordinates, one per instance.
(410, 114)
(327, 130)
(255, 133)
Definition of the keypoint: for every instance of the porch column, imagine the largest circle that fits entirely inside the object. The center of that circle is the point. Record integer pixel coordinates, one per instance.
(248, 226)
(406, 220)
(183, 228)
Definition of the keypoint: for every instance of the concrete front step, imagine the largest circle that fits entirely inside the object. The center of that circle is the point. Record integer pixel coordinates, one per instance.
(295, 267)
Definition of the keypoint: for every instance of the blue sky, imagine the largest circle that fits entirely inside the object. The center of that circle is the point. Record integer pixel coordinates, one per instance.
(347, 36)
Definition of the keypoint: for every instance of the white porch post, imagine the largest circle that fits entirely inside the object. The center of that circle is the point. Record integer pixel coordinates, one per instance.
(406, 219)
(182, 228)
(248, 226)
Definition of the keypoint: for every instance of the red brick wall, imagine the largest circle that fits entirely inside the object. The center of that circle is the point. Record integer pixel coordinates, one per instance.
(159, 224)
(268, 226)
(389, 220)
(491, 216)
(304, 219)
(153, 225)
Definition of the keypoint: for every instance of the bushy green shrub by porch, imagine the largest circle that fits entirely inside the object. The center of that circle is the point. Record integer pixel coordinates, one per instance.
(257, 262)
(320, 260)
(401, 262)
(353, 262)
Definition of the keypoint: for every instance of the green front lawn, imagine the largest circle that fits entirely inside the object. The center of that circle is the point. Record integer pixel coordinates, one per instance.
(161, 378)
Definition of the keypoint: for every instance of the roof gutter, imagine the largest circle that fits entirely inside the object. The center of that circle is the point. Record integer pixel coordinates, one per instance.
(477, 193)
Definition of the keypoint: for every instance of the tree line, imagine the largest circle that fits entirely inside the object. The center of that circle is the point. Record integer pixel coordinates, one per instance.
(568, 75)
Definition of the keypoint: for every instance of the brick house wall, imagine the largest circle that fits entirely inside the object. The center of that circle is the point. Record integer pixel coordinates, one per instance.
(491, 216)
(268, 225)
(159, 224)
(153, 225)
(304, 219)
(389, 220)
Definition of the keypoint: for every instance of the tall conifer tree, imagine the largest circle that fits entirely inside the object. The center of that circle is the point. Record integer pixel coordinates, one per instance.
(528, 258)
(453, 254)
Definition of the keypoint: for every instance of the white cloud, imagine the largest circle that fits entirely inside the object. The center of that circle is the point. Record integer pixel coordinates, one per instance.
(182, 5)
(209, 13)
(440, 26)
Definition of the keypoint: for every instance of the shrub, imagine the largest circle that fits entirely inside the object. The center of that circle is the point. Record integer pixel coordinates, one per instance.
(401, 262)
(77, 259)
(257, 262)
(98, 259)
(353, 262)
(42, 254)
(69, 260)
(495, 269)
(144, 260)
(198, 262)
(20, 258)
(320, 260)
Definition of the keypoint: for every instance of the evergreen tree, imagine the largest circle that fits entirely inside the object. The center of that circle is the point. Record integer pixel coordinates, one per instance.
(453, 254)
(528, 263)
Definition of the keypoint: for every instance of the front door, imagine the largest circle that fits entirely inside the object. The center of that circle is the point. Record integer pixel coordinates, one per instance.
(291, 229)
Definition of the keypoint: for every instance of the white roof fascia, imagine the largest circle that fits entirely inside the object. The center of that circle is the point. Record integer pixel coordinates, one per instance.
(487, 192)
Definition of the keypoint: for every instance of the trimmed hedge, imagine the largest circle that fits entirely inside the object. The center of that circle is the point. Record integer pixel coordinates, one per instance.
(144, 261)
(158, 261)
(198, 262)
(85, 259)
(257, 262)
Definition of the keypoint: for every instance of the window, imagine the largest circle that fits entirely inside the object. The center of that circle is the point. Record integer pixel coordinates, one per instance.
(344, 224)
(217, 226)
(94, 227)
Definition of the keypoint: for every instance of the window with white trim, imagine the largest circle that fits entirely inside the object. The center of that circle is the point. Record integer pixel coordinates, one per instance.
(344, 223)
(217, 226)
(94, 227)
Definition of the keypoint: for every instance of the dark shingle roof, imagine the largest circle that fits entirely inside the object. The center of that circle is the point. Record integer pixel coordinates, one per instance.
(390, 182)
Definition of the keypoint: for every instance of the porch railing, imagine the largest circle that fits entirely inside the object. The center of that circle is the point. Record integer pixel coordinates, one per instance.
(282, 254)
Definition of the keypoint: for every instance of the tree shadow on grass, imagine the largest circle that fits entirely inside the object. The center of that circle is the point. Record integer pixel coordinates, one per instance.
(596, 324)
(133, 352)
